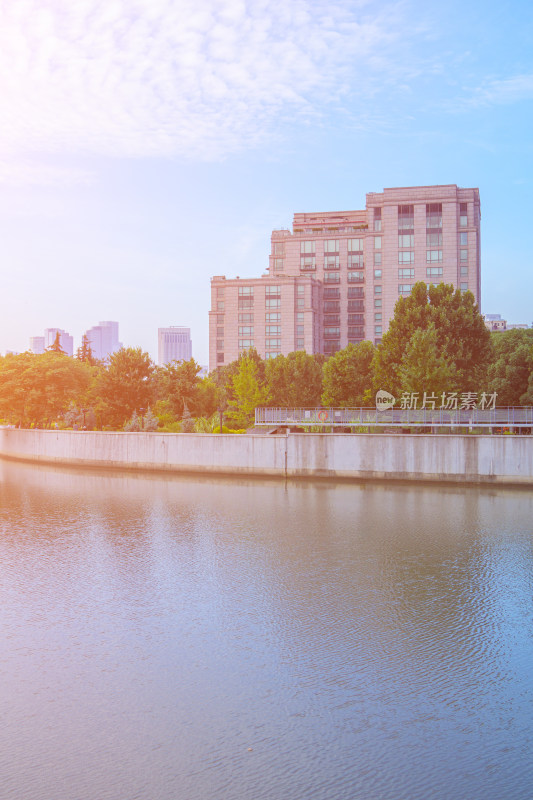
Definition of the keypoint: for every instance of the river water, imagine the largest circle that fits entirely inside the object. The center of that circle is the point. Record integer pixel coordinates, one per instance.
(167, 638)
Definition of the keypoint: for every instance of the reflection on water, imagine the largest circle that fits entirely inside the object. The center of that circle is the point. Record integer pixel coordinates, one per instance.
(171, 638)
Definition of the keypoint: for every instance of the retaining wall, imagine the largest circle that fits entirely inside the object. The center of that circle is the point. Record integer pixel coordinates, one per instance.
(474, 459)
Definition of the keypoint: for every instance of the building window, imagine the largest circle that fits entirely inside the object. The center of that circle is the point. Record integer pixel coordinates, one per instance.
(433, 256)
(220, 291)
(407, 272)
(433, 272)
(272, 302)
(245, 318)
(405, 288)
(377, 274)
(220, 319)
(220, 305)
(355, 332)
(406, 257)
(356, 277)
(378, 330)
(300, 289)
(355, 245)
(300, 344)
(377, 289)
(299, 330)
(331, 245)
(406, 218)
(332, 306)
(331, 347)
(245, 344)
(356, 305)
(332, 277)
(377, 242)
(463, 239)
(332, 291)
(356, 291)
(272, 330)
(377, 259)
(463, 215)
(220, 331)
(406, 240)
(220, 344)
(377, 219)
(355, 261)
(463, 255)
(378, 317)
(332, 319)
(278, 248)
(220, 358)
(434, 215)
(246, 330)
(307, 263)
(434, 239)
(331, 262)
(273, 317)
(464, 271)
(278, 265)
(272, 355)
(464, 287)
(300, 302)
(356, 319)
(377, 302)
(273, 344)
(307, 247)
(332, 333)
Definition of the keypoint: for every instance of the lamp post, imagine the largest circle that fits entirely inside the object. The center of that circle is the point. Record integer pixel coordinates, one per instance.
(141, 412)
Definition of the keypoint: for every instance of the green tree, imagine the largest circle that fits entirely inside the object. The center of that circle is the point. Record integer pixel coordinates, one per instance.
(85, 353)
(295, 380)
(56, 346)
(423, 368)
(124, 386)
(249, 392)
(348, 376)
(510, 371)
(178, 382)
(38, 389)
(462, 337)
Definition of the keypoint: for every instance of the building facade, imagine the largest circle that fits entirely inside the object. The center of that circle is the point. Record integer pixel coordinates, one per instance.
(336, 277)
(37, 345)
(173, 344)
(103, 339)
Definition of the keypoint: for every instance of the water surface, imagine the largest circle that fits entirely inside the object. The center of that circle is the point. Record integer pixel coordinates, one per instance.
(169, 638)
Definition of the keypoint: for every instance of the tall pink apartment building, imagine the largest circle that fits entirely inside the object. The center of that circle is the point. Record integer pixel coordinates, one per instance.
(336, 277)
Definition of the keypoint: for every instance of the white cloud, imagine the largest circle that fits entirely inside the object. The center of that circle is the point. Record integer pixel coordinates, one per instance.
(500, 92)
(200, 78)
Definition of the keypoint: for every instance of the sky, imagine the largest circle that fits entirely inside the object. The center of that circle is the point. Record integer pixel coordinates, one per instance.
(146, 145)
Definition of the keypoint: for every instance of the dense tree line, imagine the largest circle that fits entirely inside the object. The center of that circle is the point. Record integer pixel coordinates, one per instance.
(437, 341)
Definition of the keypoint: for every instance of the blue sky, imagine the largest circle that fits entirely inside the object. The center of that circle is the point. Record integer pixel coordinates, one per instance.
(146, 145)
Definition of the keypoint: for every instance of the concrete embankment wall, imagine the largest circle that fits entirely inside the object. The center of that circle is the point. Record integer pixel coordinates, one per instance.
(474, 459)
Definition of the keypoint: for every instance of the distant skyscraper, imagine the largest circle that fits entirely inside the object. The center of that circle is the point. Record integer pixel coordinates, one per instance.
(174, 344)
(66, 341)
(103, 339)
(37, 345)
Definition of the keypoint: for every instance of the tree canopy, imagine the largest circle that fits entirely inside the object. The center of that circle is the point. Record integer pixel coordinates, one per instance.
(348, 376)
(461, 337)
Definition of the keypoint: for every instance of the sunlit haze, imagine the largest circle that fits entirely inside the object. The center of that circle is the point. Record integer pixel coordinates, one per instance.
(148, 145)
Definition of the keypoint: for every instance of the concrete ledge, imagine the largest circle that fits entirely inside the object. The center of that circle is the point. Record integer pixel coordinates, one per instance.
(435, 458)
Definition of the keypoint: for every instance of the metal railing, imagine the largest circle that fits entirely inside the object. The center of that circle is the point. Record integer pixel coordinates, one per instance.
(504, 418)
